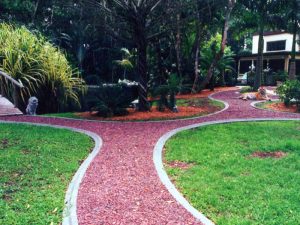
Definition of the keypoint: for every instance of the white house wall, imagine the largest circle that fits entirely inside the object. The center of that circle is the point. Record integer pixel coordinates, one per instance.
(277, 37)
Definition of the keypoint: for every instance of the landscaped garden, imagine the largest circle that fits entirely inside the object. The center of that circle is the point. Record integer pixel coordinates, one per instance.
(240, 173)
(36, 167)
(167, 64)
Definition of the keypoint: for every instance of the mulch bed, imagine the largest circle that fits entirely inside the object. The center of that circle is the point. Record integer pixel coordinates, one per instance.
(154, 114)
(279, 106)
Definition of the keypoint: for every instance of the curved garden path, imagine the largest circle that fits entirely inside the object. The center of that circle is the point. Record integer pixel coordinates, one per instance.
(121, 185)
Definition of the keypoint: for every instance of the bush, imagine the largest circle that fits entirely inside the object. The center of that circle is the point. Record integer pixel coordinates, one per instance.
(289, 93)
(280, 76)
(42, 68)
(246, 89)
(167, 94)
(113, 99)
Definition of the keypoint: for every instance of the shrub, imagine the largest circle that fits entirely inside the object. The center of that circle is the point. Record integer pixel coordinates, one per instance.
(113, 99)
(167, 94)
(42, 68)
(246, 89)
(289, 93)
(280, 76)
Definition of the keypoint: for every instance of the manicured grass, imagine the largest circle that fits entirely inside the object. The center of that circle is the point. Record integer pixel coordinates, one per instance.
(36, 166)
(228, 184)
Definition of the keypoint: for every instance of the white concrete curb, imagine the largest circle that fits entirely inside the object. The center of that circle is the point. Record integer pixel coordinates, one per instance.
(70, 211)
(163, 176)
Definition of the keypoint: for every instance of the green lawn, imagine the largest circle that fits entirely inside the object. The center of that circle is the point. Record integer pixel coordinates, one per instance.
(228, 184)
(36, 166)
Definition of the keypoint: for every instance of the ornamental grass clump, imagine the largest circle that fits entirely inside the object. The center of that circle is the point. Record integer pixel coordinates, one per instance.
(40, 66)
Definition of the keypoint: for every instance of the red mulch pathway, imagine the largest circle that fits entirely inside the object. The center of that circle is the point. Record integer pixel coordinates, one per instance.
(121, 186)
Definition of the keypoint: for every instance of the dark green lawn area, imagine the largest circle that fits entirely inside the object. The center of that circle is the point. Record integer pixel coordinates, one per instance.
(218, 173)
(36, 166)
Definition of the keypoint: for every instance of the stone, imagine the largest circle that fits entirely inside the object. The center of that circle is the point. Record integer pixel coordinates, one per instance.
(32, 106)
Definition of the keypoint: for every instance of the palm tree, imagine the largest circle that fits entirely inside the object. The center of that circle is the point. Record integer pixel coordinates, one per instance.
(134, 21)
(293, 15)
(264, 13)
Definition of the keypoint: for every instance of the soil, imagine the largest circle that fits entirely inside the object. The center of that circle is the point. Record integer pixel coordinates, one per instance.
(280, 106)
(277, 155)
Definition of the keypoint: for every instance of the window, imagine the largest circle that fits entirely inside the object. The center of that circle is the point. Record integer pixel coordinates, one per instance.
(276, 46)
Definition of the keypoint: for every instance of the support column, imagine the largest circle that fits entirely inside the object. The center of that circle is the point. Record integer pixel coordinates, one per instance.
(286, 64)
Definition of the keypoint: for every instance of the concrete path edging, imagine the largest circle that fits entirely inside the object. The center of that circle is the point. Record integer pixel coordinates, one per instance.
(163, 176)
(70, 210)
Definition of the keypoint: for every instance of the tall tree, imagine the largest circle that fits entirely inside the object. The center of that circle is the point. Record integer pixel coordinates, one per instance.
(293, 15)
(265, 13)
(134, 20)
(220, 54)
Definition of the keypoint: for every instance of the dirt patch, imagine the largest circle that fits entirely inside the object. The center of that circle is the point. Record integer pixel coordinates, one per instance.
(180, 165)
(280, 106)
(262, 155)
(4, 143)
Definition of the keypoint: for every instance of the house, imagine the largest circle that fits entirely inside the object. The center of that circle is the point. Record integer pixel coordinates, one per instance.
(276, 54)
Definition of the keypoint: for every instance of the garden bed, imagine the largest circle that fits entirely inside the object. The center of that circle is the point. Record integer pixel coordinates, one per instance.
(36, 167)
(241, 173)
(189, 105)
(277, 106)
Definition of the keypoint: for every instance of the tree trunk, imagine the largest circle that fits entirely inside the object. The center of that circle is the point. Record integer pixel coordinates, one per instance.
(36, 7)
(178, 45)
(259, 62)
(196, 59)
(142, 70)
(220, 54)
(292, 70)
(160, 68)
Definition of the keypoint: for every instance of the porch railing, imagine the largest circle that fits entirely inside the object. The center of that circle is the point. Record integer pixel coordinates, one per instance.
(16, 85)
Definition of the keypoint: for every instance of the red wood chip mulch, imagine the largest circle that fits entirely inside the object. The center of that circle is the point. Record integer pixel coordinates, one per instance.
(282, 108)
(121, 185)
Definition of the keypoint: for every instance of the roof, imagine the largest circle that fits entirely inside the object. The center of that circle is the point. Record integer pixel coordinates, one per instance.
(269, 33)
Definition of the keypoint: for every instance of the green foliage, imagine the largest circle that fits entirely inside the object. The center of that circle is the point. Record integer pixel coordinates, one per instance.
(42, 68)
(280, 76)
(36, 167)
(289, 93)
(224, 65)
(246, 89)
(113, 100)
(167, 93)
(230, 186)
